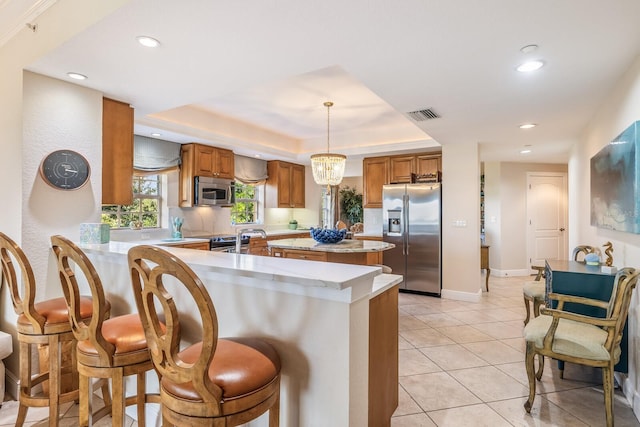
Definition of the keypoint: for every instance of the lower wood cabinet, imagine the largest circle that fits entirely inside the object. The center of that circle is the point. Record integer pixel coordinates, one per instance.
(383, 357)
(203, 246)
(258, 245)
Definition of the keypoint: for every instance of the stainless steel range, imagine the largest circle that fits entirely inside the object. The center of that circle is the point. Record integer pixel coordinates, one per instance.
(228, 244)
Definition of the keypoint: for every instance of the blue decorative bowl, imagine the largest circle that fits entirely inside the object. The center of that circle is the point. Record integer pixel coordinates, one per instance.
(328, 235)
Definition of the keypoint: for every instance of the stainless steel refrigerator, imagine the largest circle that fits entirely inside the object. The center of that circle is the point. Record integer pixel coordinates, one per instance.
(412, 221)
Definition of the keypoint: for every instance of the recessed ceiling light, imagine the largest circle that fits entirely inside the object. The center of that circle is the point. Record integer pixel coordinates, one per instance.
(77, 76)
(525, 151)
(527, 125)
(529, 66)
(156, 134)
(148, 41)
(530, 48)
(257, 156)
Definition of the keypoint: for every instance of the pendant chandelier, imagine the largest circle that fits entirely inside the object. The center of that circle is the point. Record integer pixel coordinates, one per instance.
(328, 168)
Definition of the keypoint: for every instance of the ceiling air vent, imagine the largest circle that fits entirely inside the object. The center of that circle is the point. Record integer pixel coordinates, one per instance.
(422, 115)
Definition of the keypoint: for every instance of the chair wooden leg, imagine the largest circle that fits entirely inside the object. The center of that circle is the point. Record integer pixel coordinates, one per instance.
(86, 406)
(106, 394)
(22, 415)
(526, 306)
(530, 365)
(25, 380)
(118, 398)
(141, 397)
(607, 385)
(540, 367)
(274, 412)
(54, 379)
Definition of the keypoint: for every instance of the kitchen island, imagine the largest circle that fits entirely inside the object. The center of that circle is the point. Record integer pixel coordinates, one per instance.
(362, 252)
(335, 327)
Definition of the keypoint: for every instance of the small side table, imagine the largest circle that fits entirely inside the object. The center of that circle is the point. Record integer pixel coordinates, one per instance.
(484, 262)
(6, 348)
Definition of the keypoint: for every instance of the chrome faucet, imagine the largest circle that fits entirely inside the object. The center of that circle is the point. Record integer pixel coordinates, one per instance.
(242, 231)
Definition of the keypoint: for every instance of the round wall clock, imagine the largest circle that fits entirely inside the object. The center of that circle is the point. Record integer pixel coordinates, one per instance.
(65, 170)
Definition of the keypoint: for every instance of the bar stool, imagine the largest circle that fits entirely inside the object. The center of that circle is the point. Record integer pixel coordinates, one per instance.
(215, 382)
(107, 349)
(41, 323)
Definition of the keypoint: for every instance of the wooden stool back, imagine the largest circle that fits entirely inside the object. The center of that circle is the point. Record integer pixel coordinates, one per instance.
(48, 327)
(185, 371)
(64, 250)
(113, 355)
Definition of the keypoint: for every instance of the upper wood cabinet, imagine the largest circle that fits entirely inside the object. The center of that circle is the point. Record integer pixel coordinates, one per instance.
(428, 163)
(202, 160)
(401, 168)
(117, 153)
(212, 162)
(285, 185)
(375, 174)
(378, 171)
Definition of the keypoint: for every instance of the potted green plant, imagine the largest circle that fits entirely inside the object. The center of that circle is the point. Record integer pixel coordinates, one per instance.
(351, 205)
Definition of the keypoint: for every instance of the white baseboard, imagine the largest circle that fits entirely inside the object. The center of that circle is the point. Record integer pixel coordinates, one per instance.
(462, 296)
(509, 273)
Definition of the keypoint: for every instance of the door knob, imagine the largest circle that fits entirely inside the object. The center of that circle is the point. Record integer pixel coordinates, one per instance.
(561, 228)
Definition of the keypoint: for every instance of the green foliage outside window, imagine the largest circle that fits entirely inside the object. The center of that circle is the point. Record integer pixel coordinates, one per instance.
(245, 210)
(145, 209)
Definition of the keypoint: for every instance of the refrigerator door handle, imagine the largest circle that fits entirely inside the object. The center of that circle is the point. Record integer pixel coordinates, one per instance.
(405, 211)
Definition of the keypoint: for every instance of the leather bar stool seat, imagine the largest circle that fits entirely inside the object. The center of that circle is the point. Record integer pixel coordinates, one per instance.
(56, 315)
(126, 334)
(240, 366)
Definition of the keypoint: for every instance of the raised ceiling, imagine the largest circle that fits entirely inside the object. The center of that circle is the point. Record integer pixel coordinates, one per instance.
(253, 74)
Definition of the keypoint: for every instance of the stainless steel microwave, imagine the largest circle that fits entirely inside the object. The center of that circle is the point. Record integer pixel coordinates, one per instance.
(213, 191)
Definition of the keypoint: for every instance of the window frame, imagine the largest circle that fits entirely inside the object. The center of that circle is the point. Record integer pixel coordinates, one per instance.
(256, 200)
(137, 183)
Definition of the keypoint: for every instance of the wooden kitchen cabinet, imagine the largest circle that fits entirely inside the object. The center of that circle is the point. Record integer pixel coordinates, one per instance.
(203, 246)
(285, 185)
(378, 171)
(299, 254)
(202, 160)
(375, 174)
(258, 245)
(117, 153)
(428, 164)
(212, 162)
(401, 168)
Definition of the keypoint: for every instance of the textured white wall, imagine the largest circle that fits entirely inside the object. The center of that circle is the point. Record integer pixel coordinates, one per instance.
(61, 21)
(57, 115)
(461, 276)
(618, 111)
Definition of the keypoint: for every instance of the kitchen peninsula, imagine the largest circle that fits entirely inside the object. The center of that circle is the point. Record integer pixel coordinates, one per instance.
(335, 328)
(362, 252)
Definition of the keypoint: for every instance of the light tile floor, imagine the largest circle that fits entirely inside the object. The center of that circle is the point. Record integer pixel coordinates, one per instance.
(462, 364)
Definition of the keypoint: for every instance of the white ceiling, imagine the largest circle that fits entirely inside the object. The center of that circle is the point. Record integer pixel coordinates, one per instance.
(253, 74)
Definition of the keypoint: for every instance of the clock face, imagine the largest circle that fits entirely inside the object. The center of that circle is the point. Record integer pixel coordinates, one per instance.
(65, 169)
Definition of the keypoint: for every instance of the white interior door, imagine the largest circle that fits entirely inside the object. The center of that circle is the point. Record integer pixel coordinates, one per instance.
(546, 217)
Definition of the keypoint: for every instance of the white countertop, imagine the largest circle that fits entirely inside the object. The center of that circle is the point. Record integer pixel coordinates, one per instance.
(297, 272)
(345, 246)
